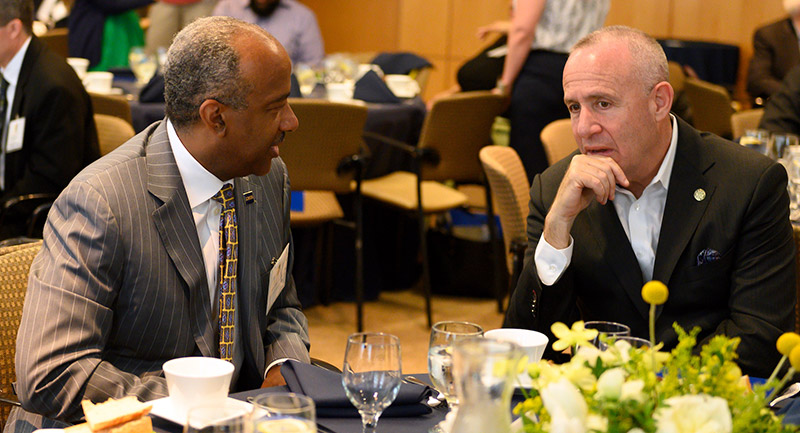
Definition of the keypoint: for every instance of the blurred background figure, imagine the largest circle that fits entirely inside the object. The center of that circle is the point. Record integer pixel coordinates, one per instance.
(104, 31)
(782, 110)
(53, 13)
(168, 17)
(293, 24)
(775, 52)
(541, 34)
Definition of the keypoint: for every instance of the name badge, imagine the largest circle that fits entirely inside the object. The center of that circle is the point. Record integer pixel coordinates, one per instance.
(16, 132)
(277, 277)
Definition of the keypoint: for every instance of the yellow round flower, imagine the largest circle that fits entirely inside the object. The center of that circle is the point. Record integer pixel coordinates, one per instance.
(787, 342)
(794, 357)
(655, 292)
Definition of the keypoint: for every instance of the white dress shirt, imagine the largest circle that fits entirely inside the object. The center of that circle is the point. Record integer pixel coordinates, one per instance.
(11, 75)
(640, 218)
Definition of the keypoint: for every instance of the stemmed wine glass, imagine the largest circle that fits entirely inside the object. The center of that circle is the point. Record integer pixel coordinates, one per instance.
(440, 356)
(372, 374)
(142, 64)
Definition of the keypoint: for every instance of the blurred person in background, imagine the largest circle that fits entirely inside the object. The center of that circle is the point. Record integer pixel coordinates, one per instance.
(292, 23)
(782, 110)
(775, 52)
(104, 31)
(541, 34)
(168, 17)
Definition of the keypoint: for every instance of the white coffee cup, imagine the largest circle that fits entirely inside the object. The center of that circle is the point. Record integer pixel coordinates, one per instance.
(80, 65)
(339, 92)
(98, 81)
(197, 380)
(532, 344)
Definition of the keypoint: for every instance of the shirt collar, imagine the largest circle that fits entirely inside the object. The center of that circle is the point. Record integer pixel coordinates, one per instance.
(199, 183)
(12, 70)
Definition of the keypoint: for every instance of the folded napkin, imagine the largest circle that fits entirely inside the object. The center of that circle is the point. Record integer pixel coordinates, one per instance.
(400, 63)
(153, 91)
(325, 388)
(371, 88)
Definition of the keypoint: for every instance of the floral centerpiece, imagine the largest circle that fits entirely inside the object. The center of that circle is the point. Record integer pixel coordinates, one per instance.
(636, 390)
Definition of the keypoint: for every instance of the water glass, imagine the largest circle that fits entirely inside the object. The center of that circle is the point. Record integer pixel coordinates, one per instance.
(284, 412)
(142, 64)
(607, 330)
(781, 143)
(440, 355)
(634, 342)
(756, 139)
(228, 417)
(372, 374)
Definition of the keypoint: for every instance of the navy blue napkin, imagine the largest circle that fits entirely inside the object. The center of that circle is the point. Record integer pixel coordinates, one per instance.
(400, 63)
(791, 412)
(294, 90)
(371, 88)
(153, 91)
(325, 388)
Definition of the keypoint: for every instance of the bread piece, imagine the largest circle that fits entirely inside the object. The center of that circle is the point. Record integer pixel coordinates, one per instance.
(113, 412)
(140, 425)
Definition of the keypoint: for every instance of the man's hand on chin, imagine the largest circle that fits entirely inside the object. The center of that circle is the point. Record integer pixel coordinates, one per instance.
(274, 378)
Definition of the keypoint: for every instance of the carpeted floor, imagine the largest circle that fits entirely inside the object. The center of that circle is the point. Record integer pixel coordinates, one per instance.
(400, 313)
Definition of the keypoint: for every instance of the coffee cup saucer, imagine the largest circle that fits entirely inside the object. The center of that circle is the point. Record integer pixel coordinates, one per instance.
(165, 409)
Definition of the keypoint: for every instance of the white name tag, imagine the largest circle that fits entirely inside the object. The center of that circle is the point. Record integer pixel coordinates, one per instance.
(16, 132)
(277, 277)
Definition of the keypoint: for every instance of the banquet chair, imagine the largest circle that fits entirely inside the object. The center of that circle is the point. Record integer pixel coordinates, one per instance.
(112, 105)
(112, 131)
(510, 191)
(24, 215)
(558, 140)
(322, 157)
(741, 121)
(711, 106)
(453, 132)
(15, 262)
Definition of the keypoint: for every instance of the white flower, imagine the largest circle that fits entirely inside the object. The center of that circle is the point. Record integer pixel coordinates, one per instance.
(694, 414)
(609, 385)
(566, 407)
(632, 390)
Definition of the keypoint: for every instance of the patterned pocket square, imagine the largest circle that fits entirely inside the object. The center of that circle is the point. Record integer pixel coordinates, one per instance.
(708, 255)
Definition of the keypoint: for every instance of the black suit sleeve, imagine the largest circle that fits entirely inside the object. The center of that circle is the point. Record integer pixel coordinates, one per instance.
(760, 79)
(782, 112)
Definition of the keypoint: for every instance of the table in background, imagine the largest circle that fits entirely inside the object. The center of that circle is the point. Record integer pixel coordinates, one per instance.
(714, 62)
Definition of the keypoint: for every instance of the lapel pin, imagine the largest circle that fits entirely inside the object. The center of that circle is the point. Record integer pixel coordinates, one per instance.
(699, 194)
(248, 197)
(273, 261)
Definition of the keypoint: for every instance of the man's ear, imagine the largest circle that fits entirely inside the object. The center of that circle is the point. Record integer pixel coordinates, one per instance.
(212, 116)
(663, 97)
(15, 28)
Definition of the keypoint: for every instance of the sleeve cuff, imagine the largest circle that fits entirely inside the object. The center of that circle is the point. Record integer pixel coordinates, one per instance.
(551, 262)
(278, 361)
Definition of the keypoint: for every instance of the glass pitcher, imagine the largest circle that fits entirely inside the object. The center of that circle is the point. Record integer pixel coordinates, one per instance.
(484, 372)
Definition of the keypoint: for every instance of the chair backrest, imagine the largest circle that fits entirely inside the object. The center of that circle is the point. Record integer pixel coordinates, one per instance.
(711, 106)
(741, 121)
(558, 140)
(113, 105)
(327, 133)
(15, 262)
(509, 185)
(57, 40)
(457, 127)
(111, 132)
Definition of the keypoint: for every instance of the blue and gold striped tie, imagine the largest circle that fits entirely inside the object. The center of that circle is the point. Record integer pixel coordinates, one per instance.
(228, 260)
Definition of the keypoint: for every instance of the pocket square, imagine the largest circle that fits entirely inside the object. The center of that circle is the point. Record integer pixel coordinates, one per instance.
(708, 255)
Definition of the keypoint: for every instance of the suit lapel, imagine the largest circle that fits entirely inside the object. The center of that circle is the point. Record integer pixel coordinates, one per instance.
(619, 255)
(683, 211)
(34, 49)
(175, 225)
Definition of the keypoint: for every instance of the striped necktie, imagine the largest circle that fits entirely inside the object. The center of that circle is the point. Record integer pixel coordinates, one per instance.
(228, 260)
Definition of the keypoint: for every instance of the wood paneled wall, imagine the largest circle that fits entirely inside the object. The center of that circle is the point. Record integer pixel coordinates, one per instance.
(444, 30)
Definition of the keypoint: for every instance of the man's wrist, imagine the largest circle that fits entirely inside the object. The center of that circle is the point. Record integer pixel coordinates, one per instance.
(556, 231)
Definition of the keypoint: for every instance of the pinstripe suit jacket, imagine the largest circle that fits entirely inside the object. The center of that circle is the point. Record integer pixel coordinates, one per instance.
(120, 286)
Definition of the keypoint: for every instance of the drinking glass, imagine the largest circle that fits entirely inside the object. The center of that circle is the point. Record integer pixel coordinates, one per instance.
(635, 342)
(610, 330)
(228, 417)
(440, 355)
(756, 139)
(142, 64)
(372, 373)
(781, 143)
(284, 412)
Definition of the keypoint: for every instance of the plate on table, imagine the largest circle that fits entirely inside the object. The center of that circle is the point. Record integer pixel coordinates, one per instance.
(163, 408)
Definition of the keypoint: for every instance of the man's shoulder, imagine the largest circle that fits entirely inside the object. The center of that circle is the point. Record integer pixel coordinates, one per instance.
(717, 156)
(129, 157)
(49, 71)
(774, 29)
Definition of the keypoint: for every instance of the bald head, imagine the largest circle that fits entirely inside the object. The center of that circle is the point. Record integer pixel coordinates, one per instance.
(645, 59)
(204, 62)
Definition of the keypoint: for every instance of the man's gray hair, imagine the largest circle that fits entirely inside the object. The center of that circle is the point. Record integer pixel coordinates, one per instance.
(13, 9)
(202, 64)
(649, 61)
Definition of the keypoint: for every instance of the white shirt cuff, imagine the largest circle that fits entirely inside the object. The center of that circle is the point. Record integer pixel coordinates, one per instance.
(278, 361)
(551, 262)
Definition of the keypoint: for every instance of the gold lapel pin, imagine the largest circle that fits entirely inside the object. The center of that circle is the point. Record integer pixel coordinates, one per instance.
(699, 194)
(249, 197)
(273, 261)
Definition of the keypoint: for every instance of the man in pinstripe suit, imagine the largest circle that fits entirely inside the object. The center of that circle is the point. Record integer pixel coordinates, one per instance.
(125, 279)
